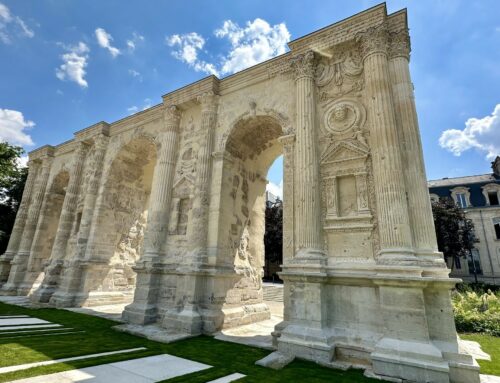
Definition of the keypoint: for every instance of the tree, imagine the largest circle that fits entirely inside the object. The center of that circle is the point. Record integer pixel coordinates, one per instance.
(273, 237)
(12, 180)
(455, 232)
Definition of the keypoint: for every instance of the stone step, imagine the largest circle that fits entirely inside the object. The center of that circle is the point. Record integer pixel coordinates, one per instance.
(273, 293)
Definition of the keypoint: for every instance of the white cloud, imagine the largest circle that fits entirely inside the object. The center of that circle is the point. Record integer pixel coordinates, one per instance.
(277, 190)
(132, 43)
(186, 49)
(75, 61)
(148, 103)
(11, 25)
(22, 161)
(133, 109)
(135, 74)
(482, 134)
(256, 42)
(13, 127)
(104, 40)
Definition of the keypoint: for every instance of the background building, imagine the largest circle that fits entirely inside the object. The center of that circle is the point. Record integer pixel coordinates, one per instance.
(479, 196)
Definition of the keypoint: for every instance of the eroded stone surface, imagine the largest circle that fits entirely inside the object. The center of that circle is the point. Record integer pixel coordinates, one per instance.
(164, 210)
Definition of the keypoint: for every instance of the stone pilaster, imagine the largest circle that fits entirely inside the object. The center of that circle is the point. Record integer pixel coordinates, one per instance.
(419, 206)
(201, 201)
(20, 261)
(288, 144)
(66, 220)
(17, 230)
(144, 308)
(392, 205)
(305, 319)
(309, 243)
(71, 280)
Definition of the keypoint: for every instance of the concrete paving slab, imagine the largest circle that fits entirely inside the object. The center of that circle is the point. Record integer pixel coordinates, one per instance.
(20, 321)
(161, 367)
(20, 367)
(5, 328)
(143, 370)
(229, 378)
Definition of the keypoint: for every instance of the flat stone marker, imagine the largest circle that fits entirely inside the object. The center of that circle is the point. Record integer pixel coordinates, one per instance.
(21, 321)
(143, 370)
(5, 328)
(229, 378)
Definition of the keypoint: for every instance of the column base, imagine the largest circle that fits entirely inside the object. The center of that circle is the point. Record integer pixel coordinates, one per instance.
(306, 343)
(397, 257)
(413, 361)
(187, 321)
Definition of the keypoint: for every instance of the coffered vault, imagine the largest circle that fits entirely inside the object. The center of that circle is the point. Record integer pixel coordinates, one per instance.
(165, 209)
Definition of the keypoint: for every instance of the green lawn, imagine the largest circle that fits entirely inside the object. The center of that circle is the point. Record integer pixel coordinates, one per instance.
(226, 358)
(491, 345)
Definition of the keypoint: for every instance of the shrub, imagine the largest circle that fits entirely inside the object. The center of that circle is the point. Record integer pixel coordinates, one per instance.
(477, 310)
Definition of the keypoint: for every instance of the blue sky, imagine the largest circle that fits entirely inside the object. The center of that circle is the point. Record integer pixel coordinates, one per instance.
(65, 65)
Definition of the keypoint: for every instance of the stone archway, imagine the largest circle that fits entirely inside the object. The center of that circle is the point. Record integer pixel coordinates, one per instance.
(251, 147)
(364, 282)
(117, 234)
(46, 232)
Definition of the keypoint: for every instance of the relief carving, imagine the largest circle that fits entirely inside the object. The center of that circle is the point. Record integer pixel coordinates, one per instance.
(340, 74)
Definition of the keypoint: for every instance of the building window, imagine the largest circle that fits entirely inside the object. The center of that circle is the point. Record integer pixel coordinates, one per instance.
(475, 263)
(461, 200)
(493, 197)
(461, 195)
(491, 194)
(496, 225)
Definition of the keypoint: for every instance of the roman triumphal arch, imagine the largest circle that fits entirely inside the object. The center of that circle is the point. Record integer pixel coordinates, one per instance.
(164, 210)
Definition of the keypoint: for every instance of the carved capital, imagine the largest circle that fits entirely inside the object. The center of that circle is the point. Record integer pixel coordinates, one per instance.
(399, 44)
(208, 101)
(172, 117)
(304, 65)
(373, 40)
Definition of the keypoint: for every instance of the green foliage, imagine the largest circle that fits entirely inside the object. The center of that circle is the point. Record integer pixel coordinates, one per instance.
(454, 232)
(477, 311)
(273, 237)
(12, 180)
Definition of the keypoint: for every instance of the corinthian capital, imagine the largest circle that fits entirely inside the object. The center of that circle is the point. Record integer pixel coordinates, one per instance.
(399, 44)
(373, 40)
(172, 116)
(208, 101)
(304, 65)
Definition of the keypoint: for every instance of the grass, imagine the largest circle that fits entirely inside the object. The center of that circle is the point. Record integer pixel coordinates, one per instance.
(226, 358)
(491, 345)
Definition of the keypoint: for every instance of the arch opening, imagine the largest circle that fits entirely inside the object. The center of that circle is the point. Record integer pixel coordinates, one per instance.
(122, 215)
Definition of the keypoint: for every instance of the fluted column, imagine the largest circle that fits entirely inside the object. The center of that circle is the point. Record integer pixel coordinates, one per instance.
(66, 220)
(419, 206)
(309, 244)
(392, 205)
(144, 308)
(288, 143)
(21, 259)
(201, 201)
(71, 279)
(17, 230)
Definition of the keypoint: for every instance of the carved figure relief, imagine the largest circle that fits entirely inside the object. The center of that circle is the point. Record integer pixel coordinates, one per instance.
(345, 118)
(340, 74)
